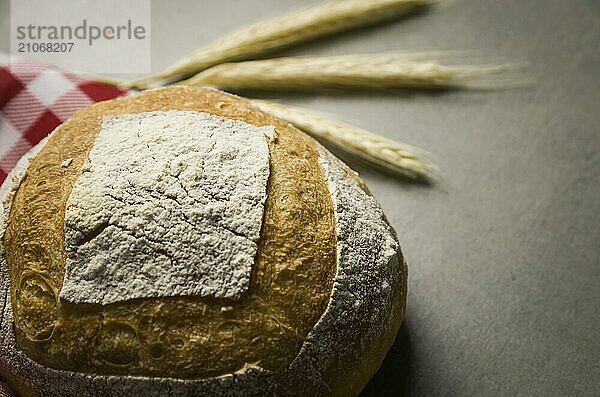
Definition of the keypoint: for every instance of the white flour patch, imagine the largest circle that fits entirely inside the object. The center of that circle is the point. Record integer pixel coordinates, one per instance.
(170, 203)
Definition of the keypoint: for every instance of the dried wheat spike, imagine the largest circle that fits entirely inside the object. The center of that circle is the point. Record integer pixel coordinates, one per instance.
(297, 26)
(396, 158)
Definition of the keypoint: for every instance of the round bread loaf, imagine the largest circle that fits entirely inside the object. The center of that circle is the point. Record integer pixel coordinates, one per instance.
(181, 242)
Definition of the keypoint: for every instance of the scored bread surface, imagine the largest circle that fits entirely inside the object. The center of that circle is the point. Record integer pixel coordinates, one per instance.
(325, 299)
(164, 337)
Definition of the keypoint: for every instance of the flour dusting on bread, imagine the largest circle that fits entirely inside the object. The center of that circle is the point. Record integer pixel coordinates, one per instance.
(170, 203)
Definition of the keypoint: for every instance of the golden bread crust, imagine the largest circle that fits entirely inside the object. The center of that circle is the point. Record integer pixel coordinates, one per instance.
(179, 337)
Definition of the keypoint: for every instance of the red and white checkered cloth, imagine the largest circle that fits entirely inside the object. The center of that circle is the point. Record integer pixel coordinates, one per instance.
(36, 98)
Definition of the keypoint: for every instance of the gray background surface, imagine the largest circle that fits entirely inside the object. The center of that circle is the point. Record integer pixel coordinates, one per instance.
(504, 252)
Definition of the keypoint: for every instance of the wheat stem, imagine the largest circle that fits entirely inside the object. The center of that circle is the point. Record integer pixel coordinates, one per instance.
(297, 26)
(105, 79)
(396, 158)
(373, 71)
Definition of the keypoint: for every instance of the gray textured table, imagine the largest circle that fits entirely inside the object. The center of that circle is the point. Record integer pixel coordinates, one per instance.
(504, 253)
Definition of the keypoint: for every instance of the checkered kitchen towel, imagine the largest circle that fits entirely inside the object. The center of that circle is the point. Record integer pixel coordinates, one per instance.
(34, 99)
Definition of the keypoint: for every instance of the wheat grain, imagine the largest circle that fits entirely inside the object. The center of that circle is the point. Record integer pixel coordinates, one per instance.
(283, 31)
(374, 71)
(396, 158)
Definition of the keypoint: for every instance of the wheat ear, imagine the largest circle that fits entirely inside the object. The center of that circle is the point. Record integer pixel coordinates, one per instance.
(396, 158)
(283, 31)
(374, 71)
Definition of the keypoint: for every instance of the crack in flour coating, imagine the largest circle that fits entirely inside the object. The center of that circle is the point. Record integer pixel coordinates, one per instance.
(170, 203)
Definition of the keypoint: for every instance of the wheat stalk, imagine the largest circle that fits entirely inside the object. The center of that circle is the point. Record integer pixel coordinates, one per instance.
(283, 31)
(374, 71)
(396, 158)
(104, 79)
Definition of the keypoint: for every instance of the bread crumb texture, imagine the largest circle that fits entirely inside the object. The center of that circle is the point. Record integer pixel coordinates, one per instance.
(323, 303)
(171, 204)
